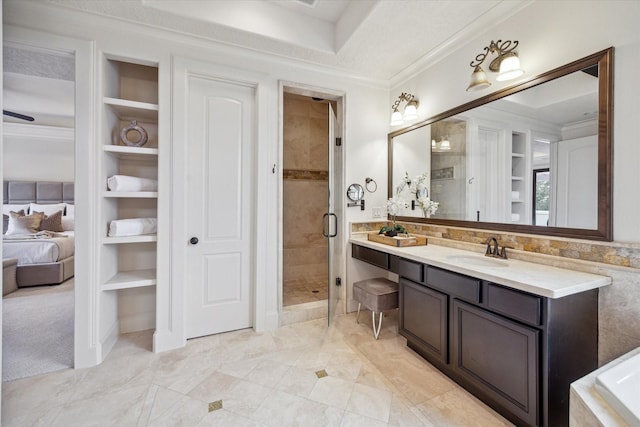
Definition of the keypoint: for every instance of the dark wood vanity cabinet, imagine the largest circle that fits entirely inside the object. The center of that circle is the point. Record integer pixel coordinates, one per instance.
(498, 358)
(518, 352)
(424, 319)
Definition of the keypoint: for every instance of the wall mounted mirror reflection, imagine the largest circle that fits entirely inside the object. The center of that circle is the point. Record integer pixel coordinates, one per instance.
(532, 158)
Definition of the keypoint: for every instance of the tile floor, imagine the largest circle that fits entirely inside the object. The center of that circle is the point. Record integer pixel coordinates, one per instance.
(301, 291)
(267, 379)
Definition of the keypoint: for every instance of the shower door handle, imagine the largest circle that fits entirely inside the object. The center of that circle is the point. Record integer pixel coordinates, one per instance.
(326, 221)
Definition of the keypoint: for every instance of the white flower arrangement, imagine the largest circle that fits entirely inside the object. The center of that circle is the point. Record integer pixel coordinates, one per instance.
(418, 187)
(395, 205)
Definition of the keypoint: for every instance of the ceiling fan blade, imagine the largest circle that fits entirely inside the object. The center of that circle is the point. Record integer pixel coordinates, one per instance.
(17, 115)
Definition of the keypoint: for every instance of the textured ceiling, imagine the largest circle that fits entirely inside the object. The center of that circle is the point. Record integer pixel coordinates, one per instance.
(375, 39)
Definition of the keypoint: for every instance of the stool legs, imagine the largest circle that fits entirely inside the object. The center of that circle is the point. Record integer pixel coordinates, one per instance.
(376, 331)
(373, 323)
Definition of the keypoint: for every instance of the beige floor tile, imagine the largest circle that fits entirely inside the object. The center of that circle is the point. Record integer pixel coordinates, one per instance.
(264, 379)
(458, 408)
(121, 407)
(282, 409)
(370, 402)
(224, 418)
(332, 391)
(297, 381)
(42, 392)
(351, 419)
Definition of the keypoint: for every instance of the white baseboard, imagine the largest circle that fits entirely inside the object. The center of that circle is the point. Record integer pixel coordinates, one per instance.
(104, 347)
(167, 340)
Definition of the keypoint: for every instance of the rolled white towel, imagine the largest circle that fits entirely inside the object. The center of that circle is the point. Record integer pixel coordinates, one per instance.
(132, 227)
(131, 183)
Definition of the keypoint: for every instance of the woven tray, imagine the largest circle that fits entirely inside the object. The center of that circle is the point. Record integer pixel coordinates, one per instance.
(398, 241)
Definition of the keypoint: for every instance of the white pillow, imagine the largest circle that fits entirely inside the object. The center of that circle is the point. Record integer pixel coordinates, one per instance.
(14, 208)
(68, 223)
(70, 210)
(20, 224)
(47, 209)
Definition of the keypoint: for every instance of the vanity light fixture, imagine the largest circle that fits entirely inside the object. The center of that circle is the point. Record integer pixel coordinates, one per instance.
(506, 64)
(410, 110)
(442, 145)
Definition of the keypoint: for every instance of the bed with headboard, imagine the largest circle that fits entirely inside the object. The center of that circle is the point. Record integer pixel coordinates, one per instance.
(44, 257)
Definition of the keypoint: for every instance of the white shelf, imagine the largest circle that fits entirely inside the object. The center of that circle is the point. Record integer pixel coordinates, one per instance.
(519, 155)
(131, 194)
(517, 178)
(126, 151)
(130, 239)
(133, 110)
(131, 279)
(517, 201)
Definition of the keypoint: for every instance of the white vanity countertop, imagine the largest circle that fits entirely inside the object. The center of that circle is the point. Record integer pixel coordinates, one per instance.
(539, 279)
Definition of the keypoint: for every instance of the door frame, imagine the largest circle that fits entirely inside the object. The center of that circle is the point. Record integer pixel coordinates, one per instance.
(87, 345)
(170, 300)
(332, 95)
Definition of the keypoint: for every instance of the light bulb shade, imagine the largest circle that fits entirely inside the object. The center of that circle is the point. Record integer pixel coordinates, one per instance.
(478, 80)
(445, 145)
(433, 143)
(396, 118)
(509, 68)
(411, 110)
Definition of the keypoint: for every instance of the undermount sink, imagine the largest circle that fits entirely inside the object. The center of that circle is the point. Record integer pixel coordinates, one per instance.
(478, 260)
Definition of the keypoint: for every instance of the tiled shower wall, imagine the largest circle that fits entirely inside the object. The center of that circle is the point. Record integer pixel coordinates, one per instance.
(619, 307)
(305, 196)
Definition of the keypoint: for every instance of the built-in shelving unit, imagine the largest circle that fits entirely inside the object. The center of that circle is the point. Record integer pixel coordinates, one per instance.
(130, 92)
(519, 179)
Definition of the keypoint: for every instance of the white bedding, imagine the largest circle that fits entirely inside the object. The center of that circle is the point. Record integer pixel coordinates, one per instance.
(38, 251)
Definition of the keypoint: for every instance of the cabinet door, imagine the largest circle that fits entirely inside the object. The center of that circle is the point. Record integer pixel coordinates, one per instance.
(423, 318)
(499, 357)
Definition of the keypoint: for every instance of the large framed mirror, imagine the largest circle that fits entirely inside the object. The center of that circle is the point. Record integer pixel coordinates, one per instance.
(532, 158)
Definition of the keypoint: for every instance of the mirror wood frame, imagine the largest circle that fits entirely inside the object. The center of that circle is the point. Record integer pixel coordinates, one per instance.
(604, 231)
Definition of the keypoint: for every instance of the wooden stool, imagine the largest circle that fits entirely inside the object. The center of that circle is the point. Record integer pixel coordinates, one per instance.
(377, 295)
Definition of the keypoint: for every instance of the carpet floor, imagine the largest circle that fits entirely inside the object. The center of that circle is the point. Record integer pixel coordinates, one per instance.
(37, 330)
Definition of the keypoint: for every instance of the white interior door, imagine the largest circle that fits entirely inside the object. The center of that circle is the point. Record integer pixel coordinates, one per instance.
(577, 187)
(219, 207)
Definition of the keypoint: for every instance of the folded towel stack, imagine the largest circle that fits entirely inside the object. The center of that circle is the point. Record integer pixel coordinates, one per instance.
(131, 183)
(515, 217)
(132, 227)
(515, 195)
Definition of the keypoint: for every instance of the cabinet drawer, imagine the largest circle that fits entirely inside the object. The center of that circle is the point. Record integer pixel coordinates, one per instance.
(515, 304)
(377, 258)
(411, 270)
(454, 283)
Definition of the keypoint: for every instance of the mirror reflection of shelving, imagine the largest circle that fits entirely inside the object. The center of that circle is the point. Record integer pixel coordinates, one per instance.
(130, 93)
(519, 175)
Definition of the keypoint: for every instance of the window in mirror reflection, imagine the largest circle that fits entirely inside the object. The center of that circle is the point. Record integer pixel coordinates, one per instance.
(541, 190)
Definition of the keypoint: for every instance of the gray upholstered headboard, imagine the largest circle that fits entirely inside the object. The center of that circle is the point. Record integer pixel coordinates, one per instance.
(41, 192)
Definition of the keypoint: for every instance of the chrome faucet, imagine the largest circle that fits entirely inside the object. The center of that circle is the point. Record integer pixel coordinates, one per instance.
(494, 250)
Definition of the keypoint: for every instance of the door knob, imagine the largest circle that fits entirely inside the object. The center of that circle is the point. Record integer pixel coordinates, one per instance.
(193, 240)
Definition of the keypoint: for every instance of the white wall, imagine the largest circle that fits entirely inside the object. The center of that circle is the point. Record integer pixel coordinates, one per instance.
(551, 34)
(38, 153)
